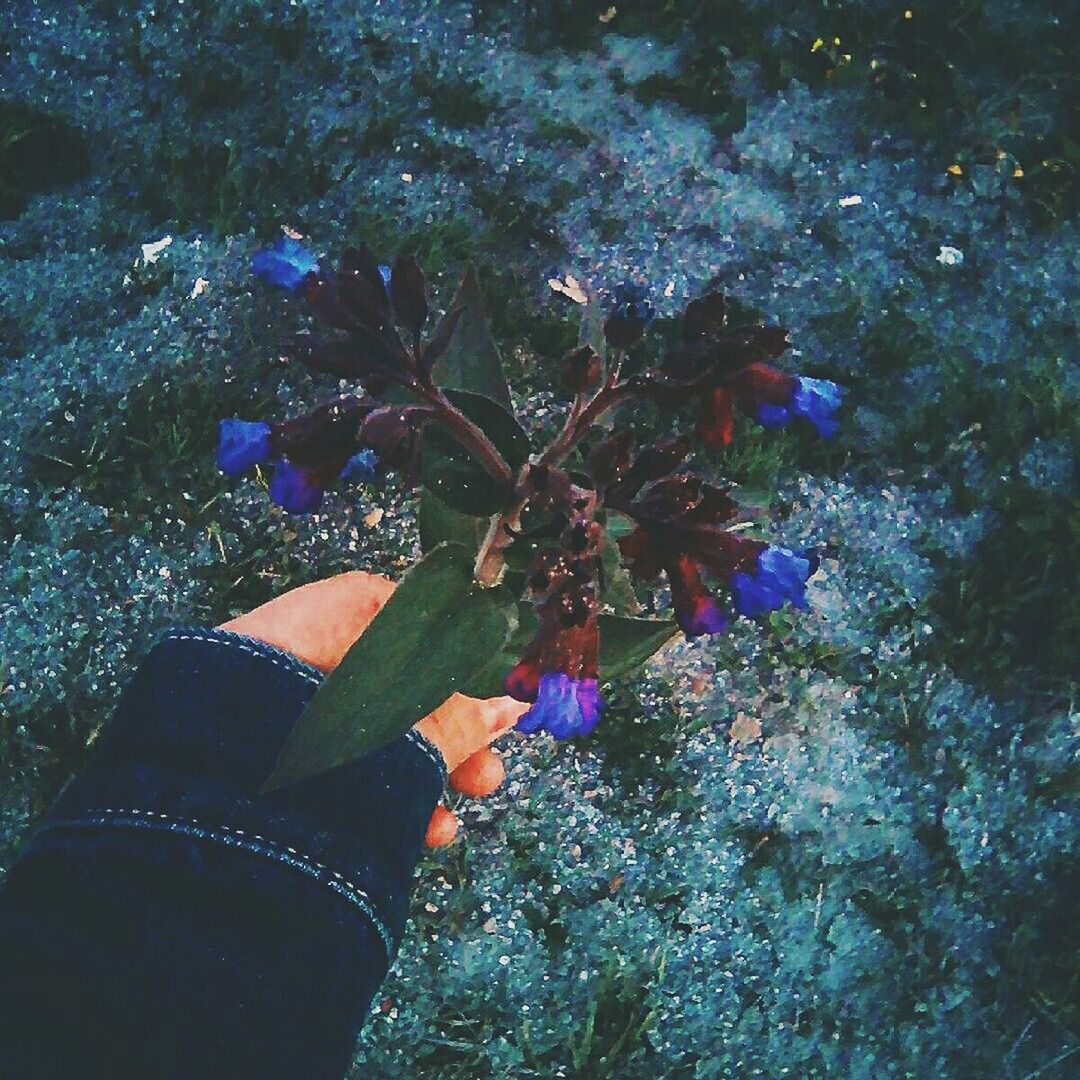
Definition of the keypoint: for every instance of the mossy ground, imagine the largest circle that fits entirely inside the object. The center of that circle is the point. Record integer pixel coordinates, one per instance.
(843, 844)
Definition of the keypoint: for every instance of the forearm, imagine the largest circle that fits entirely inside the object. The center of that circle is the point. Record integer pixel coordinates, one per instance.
(167, 920)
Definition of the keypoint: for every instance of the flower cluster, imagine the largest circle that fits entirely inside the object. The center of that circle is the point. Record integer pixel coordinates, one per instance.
(559, 670)
(308, 455)
(549, 534)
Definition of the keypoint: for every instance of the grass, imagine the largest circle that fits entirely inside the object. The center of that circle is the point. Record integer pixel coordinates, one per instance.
(1004, 617)
(39, 152)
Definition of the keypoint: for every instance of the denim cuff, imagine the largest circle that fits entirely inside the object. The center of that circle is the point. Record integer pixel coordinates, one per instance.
(197, 733)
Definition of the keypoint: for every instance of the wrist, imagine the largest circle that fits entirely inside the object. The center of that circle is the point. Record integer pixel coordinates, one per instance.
(434, 730)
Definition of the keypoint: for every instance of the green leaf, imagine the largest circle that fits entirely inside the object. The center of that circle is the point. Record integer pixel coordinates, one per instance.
(432, 637)
(618, 587)
(617, 525)
(490, 680)
(618, 590)
(472, 362)
(454, 475)
(440, 523)
(625, 644)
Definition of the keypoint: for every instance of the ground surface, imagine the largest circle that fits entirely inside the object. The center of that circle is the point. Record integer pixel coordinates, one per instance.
(843, 847)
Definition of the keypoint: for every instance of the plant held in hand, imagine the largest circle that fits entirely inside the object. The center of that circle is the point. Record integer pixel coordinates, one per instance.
(525, 586)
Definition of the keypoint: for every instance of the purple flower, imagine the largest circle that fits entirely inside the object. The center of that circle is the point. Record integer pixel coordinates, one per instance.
(564, 707)
(696, 609)
(295, 488)
(780, 576)
(241, 444)
(772, 416)
(361, 466)
(285, 264)
(817, 400)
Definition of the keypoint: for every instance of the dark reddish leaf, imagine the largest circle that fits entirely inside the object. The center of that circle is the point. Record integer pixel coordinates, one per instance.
(408, 290)
(669, 499)
(444, 334)
(664, 391)
(747, 345)
(650, 464)
(360, 260)
(392, 431)
(640, 554)
(325, 437)
(326, 302)
(366, 303)
(610, 457)
(704, 316)
(713, 507)
(689, 362)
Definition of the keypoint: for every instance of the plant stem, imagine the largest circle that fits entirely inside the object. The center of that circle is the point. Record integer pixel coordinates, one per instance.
(468, 434)
(491, 559)
(579, 421)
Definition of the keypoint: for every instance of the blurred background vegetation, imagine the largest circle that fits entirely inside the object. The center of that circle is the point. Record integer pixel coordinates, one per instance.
(845, 846)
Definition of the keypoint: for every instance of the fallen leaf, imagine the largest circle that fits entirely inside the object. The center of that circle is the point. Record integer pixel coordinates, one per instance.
(745, 729)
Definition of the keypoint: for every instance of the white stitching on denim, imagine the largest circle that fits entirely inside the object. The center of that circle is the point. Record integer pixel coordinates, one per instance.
(225, 834)
(428, 748)
(235, 641)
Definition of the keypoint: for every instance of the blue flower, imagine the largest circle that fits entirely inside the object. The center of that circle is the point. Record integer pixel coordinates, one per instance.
(780, 576)
(384, 273)
(774, 399)
(285, 264)
(817, 400)
(295, 489)
(696, 609)
(564, 706)
(241, 444)
(361, 466)
(772, 416)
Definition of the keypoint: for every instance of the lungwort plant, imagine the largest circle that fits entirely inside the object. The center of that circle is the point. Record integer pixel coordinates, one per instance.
(525, 586)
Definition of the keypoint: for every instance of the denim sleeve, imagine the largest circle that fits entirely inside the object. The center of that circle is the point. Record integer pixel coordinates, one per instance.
(166, 920)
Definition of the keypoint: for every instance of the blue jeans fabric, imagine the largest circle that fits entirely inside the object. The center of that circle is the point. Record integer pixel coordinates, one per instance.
(166, 920)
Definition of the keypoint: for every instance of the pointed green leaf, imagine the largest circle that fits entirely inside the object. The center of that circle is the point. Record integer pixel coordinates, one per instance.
(618, 590)
(450, 471)
(472, 362)
(436, 632)
(440, 524)
(490, 680)
(625, 644)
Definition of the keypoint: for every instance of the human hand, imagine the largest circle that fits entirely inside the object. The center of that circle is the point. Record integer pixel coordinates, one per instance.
(318, 623)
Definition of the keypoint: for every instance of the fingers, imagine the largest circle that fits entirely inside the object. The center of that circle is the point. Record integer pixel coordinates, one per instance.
(462, 725)
(442, 828)
(318, 622)
(479, 774)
